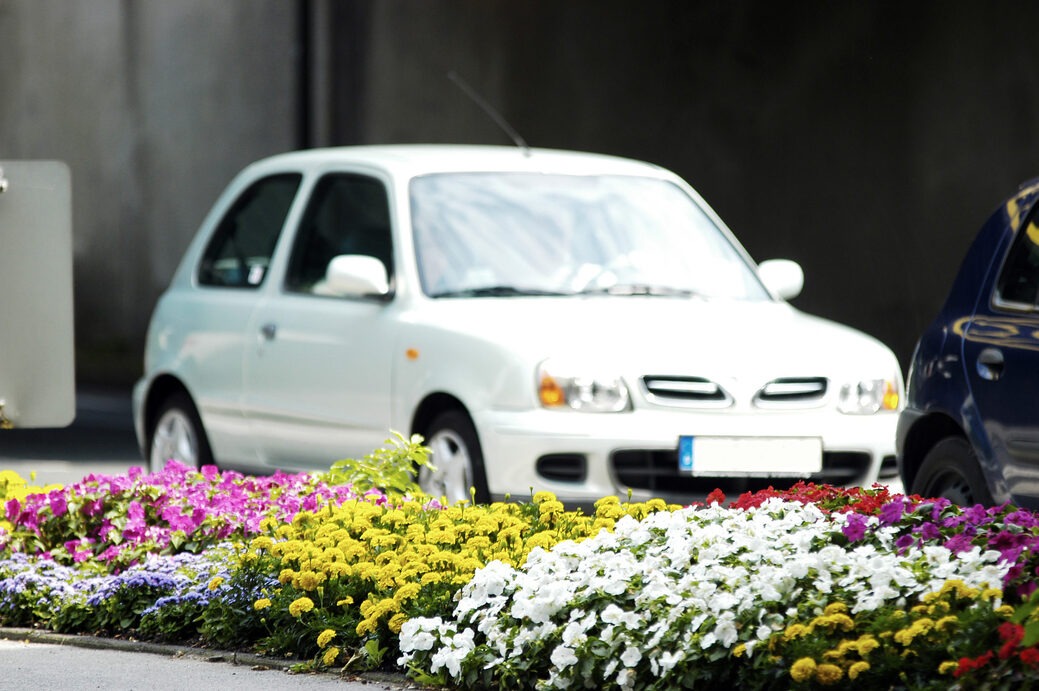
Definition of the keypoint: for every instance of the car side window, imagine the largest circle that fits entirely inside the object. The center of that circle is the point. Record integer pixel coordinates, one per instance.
(1019, 281)
(347, 214)
(241, 247)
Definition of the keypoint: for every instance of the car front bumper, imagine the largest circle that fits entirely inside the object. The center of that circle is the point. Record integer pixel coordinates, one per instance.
(610, 454)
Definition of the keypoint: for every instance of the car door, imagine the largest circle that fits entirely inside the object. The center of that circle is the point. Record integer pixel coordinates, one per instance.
(317, 379)
(1001, 357)
(215, 313)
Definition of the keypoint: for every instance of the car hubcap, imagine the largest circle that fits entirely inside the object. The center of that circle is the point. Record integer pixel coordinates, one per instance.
(452, 476)
(954, 487)
(174, 439)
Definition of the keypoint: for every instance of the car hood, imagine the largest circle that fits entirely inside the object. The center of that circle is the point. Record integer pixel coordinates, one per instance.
(675, 336)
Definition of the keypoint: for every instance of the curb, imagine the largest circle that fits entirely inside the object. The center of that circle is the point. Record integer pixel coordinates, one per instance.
(251, 660)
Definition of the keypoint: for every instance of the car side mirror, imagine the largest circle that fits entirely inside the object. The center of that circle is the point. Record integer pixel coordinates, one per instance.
(782, 277)
(355, 274)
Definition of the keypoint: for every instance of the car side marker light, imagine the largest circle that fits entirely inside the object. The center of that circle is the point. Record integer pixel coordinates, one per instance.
(411, 354)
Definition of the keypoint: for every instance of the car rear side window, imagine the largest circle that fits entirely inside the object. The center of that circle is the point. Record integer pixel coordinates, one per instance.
(347, 214)
(1019, 282)
(239, 252)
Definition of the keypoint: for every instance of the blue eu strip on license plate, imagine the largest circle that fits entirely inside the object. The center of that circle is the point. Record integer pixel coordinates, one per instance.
(685, 453)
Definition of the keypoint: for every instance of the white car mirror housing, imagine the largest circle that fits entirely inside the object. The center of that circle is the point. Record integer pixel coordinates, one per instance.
(356, 274)
(783, 278)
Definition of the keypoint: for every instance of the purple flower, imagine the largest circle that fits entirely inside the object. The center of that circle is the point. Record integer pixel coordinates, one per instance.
(855, 528)
(958, 543)
(14, 508)
(891, 512)
(58, 503)
(905, 542)
(928, 531)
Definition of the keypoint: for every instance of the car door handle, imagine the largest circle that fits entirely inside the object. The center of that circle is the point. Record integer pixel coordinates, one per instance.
(990, 363)
(268, 331)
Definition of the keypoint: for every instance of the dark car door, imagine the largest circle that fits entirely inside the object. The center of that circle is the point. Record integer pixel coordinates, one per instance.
(1001, 357)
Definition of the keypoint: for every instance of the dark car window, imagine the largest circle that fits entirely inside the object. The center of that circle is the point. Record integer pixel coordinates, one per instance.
(240, 250)
(1019, 281)
(347, 214)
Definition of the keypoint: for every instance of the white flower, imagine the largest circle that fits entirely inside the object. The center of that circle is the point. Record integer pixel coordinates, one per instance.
(631, 656)
(563, 656)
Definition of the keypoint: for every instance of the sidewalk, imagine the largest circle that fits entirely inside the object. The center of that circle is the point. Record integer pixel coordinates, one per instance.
(39, 659)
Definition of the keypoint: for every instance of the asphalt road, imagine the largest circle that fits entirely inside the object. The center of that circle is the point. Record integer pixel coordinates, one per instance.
(74, 663)
(100, 440)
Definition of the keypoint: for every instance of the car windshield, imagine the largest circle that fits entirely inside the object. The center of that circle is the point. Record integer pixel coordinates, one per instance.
(514, 234)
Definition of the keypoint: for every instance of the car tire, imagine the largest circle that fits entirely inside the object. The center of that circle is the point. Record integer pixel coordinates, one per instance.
(951, 470)
(451, 437)
(177, 434)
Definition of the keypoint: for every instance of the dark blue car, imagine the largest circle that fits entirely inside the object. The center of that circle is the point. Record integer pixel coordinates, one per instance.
(970, 431)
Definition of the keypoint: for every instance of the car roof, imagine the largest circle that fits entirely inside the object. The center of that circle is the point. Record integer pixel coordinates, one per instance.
(421, 159)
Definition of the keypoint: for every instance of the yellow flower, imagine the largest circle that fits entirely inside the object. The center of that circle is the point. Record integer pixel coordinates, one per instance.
(478, 542)
(262, 603)
(991, 594)
(330, 656)
(396, 622)
(1005, 610)
(551, 507)
(803, 669)
(741, 648)
(655, 505)
(345, 601)
(828, 675)
(867, 644)
(543, 496)
(286, 576)
(325, 637)
(301, 605)
(946, 622)
(836, 608)
(262, 542)
(215, 583)
(794, 631)
(858, 668)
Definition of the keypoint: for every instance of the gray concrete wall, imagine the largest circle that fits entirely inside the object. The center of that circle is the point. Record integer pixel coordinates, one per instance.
(866, 140)
(154, 104)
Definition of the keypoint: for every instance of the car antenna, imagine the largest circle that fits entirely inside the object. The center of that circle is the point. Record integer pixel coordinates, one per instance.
(490, 111)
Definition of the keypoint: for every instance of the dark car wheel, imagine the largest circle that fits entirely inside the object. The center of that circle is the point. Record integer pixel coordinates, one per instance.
(177, 434)
(951, 470)
(457, 457)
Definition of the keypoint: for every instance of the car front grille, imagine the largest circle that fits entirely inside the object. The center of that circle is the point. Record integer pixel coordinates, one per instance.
(791, 391)
(684, 391)
(656, 472)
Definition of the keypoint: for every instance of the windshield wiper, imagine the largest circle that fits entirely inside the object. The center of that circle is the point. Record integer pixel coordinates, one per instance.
(640, 289)
(494, 292)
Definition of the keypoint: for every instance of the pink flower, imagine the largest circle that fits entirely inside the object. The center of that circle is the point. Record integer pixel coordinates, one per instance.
(59, 506)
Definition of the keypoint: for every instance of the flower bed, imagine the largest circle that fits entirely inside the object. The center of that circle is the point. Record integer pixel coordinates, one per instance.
(807, 587)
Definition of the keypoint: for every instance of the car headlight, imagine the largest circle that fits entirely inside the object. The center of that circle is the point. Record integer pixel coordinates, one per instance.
(869, 396)
(563, 387)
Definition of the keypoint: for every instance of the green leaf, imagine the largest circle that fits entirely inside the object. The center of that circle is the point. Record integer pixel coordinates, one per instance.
(1031, 634)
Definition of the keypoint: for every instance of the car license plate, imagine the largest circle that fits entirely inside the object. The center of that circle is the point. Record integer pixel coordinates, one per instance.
(734, 456)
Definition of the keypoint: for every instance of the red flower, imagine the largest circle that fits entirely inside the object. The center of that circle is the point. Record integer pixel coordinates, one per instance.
(1030, 656)
(1012, 634)
(716, 496)
(967, 664)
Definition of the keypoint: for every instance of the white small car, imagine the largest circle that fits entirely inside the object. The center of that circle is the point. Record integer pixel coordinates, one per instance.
(547, 320)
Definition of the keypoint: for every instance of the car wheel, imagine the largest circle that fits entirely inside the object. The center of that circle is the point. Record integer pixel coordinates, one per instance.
(178, 435)
(950, 469)
(459, 462)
